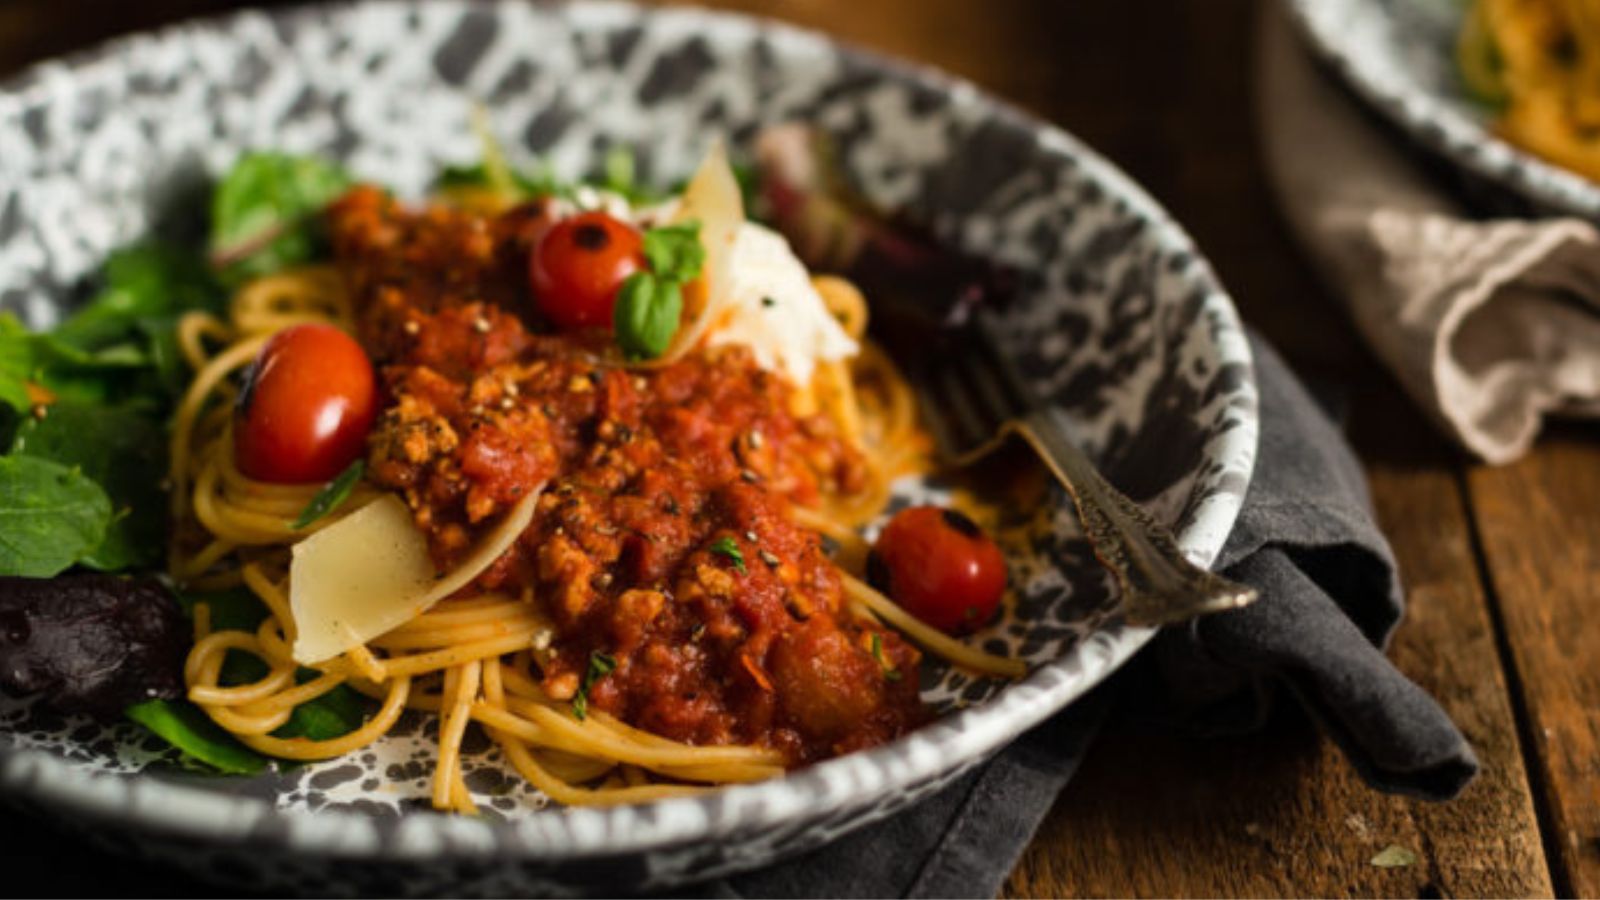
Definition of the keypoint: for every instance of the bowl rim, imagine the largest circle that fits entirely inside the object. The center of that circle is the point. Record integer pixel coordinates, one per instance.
(1433, 124)
(173, 810)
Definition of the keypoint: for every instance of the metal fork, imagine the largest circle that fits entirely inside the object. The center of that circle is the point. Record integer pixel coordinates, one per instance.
(974, 399)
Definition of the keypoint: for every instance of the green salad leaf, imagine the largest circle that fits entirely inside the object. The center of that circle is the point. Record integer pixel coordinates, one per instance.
(183, 725)
(124, 452)
(263, 212)
(338, 712)
(50, 516)
(334, 714)
(142, 284)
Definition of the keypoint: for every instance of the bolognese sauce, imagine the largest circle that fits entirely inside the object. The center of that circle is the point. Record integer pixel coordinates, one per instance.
(663, 543)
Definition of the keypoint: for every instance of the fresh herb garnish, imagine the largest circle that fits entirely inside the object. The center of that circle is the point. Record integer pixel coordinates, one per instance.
(650, 303)
(600, 665)
(728, 547)
(674, 252)
(332, 495)
(890, 673)
(646, 315)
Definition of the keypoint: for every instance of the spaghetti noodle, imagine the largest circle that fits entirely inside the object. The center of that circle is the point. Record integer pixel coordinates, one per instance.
(1539, 61)
(469, 659)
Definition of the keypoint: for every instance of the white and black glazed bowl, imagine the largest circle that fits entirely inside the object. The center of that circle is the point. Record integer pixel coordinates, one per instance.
(1399, 57)
(1121, 322)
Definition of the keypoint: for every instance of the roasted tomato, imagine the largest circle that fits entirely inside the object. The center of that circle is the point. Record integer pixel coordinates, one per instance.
(940, 566)
(308, 402)
(578, 265)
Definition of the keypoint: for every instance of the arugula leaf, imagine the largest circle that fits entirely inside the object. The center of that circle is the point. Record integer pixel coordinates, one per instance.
(50, 516)
(183, 725)
(728, 547)
(125, 453)
(140, 283)
(674, 252)
(646, 315)
(121, 372)
(332, 495)
(262, 211)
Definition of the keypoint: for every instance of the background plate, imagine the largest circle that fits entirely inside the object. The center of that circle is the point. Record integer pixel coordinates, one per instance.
(1399, 56)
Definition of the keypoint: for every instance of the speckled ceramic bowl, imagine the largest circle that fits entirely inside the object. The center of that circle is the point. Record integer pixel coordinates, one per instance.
(1121, 322)
(1399, 56)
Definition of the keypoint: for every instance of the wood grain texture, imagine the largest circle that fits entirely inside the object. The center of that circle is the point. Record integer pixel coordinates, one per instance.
(1539, 522)
(1280, 812)
(1277, 813)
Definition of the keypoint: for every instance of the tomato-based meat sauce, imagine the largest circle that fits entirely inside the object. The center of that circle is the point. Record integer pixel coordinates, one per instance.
(662, 547)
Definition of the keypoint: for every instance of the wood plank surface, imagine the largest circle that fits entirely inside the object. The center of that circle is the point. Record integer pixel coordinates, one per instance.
(1539, 521)
(1281, 813)
(1163, 88)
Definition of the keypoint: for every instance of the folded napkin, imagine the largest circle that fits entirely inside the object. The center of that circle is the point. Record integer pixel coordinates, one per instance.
(1491, 325)
(1329, 600)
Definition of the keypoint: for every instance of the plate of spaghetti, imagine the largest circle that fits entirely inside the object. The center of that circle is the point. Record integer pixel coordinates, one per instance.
(467, 447)
(1503, 89)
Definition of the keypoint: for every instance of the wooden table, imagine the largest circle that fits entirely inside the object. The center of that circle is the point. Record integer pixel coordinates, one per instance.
(1501, 564)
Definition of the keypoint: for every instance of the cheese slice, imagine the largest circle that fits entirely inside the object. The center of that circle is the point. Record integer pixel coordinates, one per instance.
(370, 572)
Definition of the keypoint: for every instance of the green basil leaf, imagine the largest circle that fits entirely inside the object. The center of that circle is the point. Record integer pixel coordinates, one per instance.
(184, 726)
(646, 315)
(124, 452)
(332, 495)
(263, 210)
(674, 252)
(50, 516)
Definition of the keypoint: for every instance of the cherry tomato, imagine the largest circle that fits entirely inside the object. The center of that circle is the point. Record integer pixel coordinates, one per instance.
(578, 265)
(307, 405)
(940, 566)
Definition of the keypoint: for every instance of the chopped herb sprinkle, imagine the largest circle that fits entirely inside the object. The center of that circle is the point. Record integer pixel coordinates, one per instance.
(728, 547)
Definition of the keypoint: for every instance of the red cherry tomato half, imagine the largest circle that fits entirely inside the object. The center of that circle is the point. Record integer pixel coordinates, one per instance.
(307, 405)
(939, 566)
(578, 265)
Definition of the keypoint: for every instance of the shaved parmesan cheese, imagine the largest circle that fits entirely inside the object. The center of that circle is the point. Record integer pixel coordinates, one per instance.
(713, 200)
(370, 572)
(766, 302)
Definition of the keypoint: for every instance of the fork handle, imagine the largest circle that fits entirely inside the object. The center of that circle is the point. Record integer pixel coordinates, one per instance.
(1159, 585)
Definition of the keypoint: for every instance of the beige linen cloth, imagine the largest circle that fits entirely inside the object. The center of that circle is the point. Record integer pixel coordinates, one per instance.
(1491, 325)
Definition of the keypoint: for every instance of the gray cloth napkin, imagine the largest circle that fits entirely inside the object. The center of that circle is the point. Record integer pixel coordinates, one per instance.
(1490, 324)
(1330, 599)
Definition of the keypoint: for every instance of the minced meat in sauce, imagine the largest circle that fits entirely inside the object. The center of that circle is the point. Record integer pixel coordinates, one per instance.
(663, 538)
